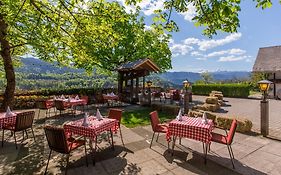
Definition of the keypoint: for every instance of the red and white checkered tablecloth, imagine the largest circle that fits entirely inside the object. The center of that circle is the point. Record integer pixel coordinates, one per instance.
(94, 128)
(192, 128)
(7, 120)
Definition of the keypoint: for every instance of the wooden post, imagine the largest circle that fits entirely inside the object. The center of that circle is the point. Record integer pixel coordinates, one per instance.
(137, 88)
(274, 86)
(143, 85)
(264, 118)
(131, 90)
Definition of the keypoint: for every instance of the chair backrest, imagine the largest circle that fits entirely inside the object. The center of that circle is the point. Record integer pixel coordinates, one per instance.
(85, 98)
(41, 104)
(59, 104)
(231, 132)
(115, 114)
(56, 139)
(154, 119)
(24, 120)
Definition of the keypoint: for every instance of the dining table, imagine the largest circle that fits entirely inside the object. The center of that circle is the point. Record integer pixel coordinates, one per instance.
(91, 129)
(191, 128)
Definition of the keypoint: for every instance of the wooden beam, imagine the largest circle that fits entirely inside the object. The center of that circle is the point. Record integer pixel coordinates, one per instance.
(274, 85)
(137, 88)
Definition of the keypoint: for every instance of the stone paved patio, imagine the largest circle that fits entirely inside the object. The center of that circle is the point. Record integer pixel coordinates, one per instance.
(254, 155)
(250, 109)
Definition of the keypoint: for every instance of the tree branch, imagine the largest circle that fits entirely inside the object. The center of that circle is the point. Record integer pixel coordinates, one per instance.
(19, 10)
(18, 45)
(49, 18)
(69, 12)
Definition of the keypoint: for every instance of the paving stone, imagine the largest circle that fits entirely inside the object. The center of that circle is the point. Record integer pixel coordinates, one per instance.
(151, 167)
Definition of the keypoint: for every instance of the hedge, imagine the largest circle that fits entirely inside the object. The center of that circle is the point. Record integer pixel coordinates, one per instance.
(27, 99)
(228, 90)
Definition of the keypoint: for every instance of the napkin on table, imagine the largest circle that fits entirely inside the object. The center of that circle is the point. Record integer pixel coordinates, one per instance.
(77, 97)
(9, 112)
(62, 97)
(179, 116)
(204, 118)
(98, 115)
(85, 120)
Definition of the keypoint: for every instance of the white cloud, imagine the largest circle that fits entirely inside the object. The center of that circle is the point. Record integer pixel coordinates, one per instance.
(190, 41)
(231, 58)
(202, 58)
(190, 13)
(146, 27)
(224, 52)
(147, 6)
(196, 53)
(209, 44)
(179, 49)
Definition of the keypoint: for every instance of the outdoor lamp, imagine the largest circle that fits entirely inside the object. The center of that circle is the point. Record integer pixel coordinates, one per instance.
(149, 83)
(264, 85)
(185, 84)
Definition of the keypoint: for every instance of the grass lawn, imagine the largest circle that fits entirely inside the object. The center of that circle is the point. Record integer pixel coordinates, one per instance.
(141, 117)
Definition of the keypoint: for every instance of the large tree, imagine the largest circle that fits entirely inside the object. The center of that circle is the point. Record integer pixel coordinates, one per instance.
(92, 34)
(213, 15)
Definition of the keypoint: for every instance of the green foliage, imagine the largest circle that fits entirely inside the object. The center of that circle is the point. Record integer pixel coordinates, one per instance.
(213, 15)
(207, 77)
(228, 90)
(141, 117)
(255, 78)
(83, 34)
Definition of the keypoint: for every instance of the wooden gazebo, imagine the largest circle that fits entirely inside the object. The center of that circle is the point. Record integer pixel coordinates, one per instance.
(129, 75)
(269, 61)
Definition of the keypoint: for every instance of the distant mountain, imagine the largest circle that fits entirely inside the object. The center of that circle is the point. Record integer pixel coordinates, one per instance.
(37, 66)
(179, 77)
(33, 65)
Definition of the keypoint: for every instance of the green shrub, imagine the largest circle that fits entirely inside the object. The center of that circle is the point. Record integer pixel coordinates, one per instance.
(228, 90)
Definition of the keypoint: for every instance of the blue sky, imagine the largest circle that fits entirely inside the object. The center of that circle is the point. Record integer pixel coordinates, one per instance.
(194, 52)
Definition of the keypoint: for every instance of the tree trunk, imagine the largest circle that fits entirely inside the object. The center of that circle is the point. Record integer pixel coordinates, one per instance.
(8, 65)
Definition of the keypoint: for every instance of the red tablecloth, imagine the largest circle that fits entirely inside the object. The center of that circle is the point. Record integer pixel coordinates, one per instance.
(7, 120)
(72, 102)
(192, 128)
(110, 97)
(94, 128)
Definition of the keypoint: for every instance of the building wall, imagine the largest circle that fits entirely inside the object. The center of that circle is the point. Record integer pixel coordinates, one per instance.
(278, 85)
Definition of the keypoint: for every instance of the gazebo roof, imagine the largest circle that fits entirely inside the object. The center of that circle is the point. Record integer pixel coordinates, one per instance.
(268, 60)
(141, 64)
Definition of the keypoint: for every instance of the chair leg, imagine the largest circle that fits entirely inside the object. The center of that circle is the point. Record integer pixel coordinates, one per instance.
(121, 136)
(231, 155)
(26, 133)
(46, 116)
(48, 162)
(86, 153)
(112, 143)
(38, 114)
(180, 140)
(67, 161)
(157, 136)
(33, 133)
(22, 135)
(152, 139)
(3, 138)
(15, 140)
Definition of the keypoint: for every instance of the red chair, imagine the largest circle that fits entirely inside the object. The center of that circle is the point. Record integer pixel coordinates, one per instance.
(58, 141)
(44, 105)
(116, 114)
(157, 126)
(24, 121)
(227, 139)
